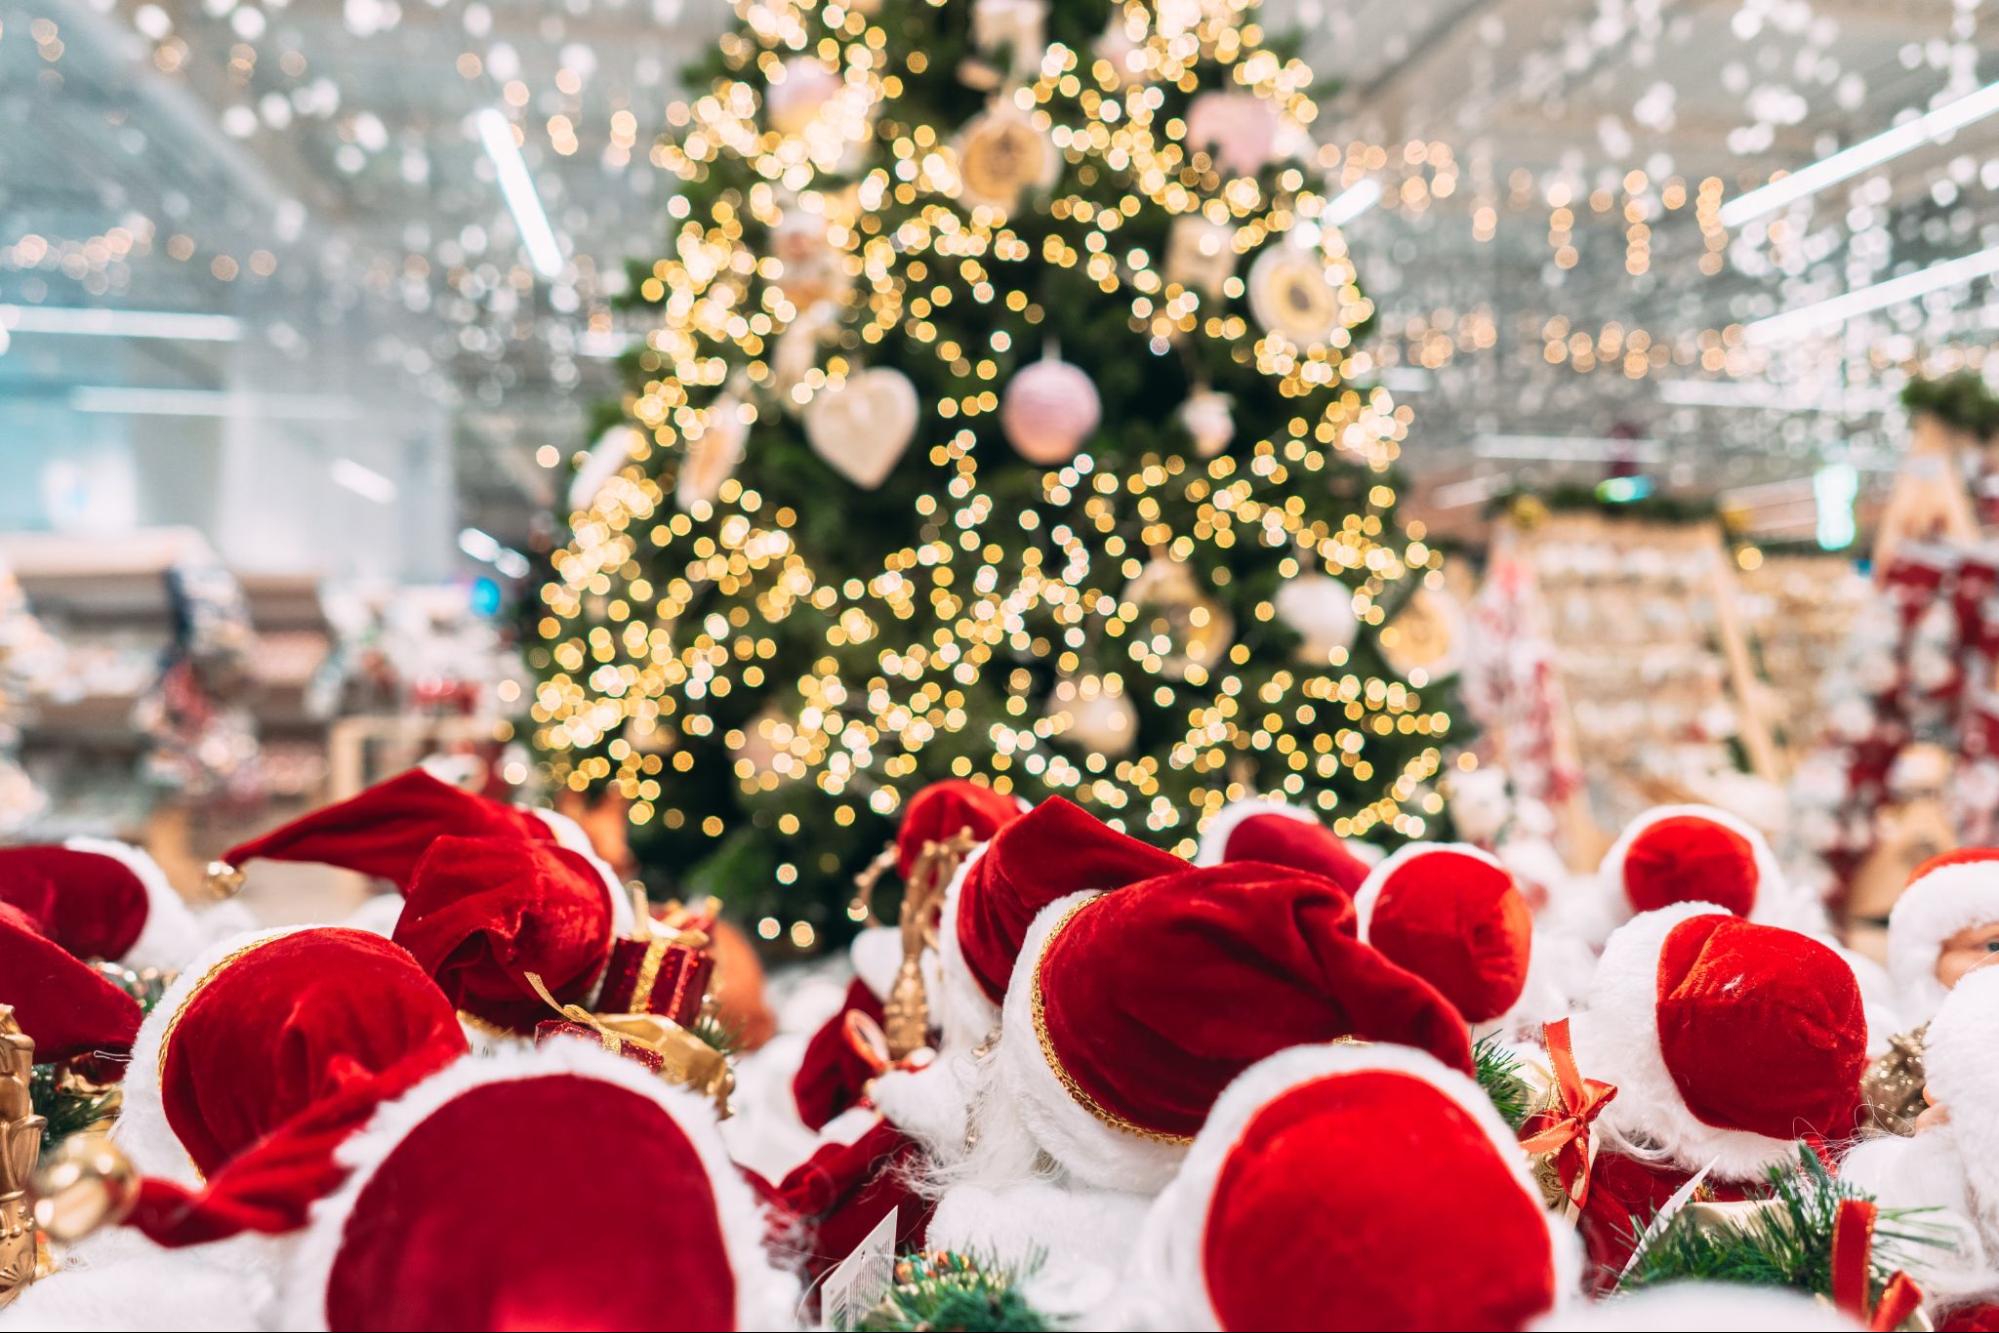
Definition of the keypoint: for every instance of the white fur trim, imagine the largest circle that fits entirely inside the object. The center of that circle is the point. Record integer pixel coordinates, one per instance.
(142, 1129)
(933, 1104)
(1088, 1148)
(1369, 893)
(1931, 910)
(1171, 1264)
(1928, 1172)
(765, 1297)
(876, 954)
(1963, 1076)
(117, 1279)
(1215, 837)
(1700, 1305)
(170, 936)
(1617, 1040)
(570, 835)
(964, 1014)
(1068, 1246)
(1777, 904)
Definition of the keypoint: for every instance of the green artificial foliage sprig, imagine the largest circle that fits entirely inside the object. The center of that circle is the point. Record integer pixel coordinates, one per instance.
(68, 1110)
(1501, 1074)
(1787, 1243)
(944, 1290)
(1963, 401)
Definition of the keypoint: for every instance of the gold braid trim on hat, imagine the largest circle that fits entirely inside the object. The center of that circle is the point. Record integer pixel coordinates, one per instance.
(1076, 1090)
(194, 992)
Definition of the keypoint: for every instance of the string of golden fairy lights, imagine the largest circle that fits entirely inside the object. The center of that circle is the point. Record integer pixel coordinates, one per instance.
(721, 311)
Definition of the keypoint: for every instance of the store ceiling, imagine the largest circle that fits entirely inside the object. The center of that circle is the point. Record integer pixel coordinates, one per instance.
(311, 169)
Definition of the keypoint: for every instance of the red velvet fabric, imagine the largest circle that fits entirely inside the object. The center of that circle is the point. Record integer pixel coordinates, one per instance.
(1624, 1196)
(832, 1074)
(66, 1006)
(1050, 852)
(1300, 844)
(385, 830)
(1689, 859)
(1975, 1318)
(1761, 1028)
(841, 1192)
(294, 1021)
(1155, 997)
(1460, 923)
(557, 1202)
(270, 1187)
(89, 903)
(484, 912)
(943, 810)
(1339, 1194)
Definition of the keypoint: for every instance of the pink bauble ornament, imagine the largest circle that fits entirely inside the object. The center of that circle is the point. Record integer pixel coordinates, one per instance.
(792, 102)
(1048, 410)
(1239, 128)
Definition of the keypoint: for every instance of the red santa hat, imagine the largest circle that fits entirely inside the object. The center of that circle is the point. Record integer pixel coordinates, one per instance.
(101, 899)
(1451, 914)
(1727, 1040)
(266, 1025)
(1050, 852)
(1323, 1184)
(464, 1193)
(1136, 1008)
(944, 810)
(1947, 894)
(386, 831)
(482, 913)
(67, 1006)
(1265, 828)
(1697, 853)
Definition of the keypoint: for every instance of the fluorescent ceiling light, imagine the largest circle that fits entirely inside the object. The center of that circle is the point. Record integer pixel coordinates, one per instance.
(485, 548)
(92, 321)
(1755, 395)
(1351, 202)
(497, 134)
(1568, 448)
(1863, 156)
(1895, 291)
(1408, 379)
(363, 481)
(121, 400)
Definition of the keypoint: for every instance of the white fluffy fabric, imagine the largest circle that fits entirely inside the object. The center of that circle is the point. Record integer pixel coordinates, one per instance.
(570, 834)
(958, 1005)
(118, 1279)
(765, 1297)
(1930, 911)
(1929, 1173)
(171, 934)
(1777, 903)
(1067, 1245)
(1703, 1306)
(142, 1129)
(1093, 1151)
(932, 1105)
(1168, 1287)
(1369, 895)
(1215, 837)
(1959, 1059)
(1617, 1040)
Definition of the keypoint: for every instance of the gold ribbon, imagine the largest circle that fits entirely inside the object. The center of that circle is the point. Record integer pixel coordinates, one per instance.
(685, 1059)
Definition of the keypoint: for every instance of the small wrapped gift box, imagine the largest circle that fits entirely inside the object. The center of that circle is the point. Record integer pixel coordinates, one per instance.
(661, 975)
(550, 1028)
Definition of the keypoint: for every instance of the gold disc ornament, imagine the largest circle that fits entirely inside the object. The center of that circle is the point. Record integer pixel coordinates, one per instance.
(1093, 714)
(1178, 619)
(1292, 295)
(1426, 635)
(1001, 156)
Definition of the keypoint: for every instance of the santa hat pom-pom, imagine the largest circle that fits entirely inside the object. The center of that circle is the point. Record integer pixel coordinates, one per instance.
(1268, 829)
(1690, 853)
(1453, 915)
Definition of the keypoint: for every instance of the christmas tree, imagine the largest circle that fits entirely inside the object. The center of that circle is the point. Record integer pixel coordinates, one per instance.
(1003, 418)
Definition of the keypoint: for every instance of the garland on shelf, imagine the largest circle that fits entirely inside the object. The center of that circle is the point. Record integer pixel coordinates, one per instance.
(1791, 1239)
(1962, 401)
(943, 1290)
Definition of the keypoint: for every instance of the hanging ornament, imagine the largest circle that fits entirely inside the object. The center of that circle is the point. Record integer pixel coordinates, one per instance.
(1208, 421)
(1239, 130)
(712, 457)
(862, 424)
(1200, 254)
(1291, 295)
(813, 269)
(1011, 35)
(1177, 618)
(756, 747)
(1427, 635)
(797, 349)
(1048, 410)
(1094, 715)
(614, 448)
(1319, 608)
(1125, 54)
(791, 102)
(1001, 155)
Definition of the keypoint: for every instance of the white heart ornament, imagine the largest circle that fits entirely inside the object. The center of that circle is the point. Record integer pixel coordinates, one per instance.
(862, 424)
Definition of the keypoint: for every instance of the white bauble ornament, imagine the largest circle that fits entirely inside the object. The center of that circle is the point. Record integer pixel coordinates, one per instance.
(711, 458)
(791, 103)
(1018, 28)
(1208, 421)
(1048, 410)
(1200, 254)
(862, 424)
(1320, 609)
(1094, 715)
(1239, 129)
(1291, 294)
(611, 452)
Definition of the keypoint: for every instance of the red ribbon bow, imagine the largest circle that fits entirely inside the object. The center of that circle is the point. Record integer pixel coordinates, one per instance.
(1853, 1271)
(1564, 1129)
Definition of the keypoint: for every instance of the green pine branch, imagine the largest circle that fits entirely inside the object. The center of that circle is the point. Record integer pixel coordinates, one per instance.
(67, 1111)
(943, 1290)
(1502, 1075)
